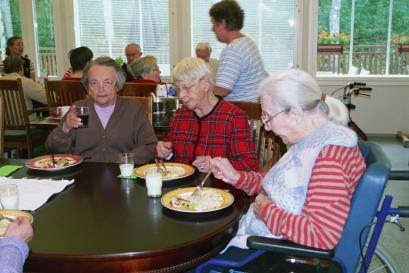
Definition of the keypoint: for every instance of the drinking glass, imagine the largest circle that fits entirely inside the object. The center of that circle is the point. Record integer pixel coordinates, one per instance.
(126, 164)
(153, 181)
(83, 113)
(9, 196)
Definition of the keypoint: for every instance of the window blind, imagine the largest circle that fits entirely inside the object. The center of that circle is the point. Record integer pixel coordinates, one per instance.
(269, 23)
(107, 26)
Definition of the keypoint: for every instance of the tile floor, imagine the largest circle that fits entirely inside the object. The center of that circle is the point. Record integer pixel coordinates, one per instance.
(393, 240)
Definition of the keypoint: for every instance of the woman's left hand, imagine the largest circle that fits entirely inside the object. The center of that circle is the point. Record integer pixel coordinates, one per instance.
(202, 163)
(259, 203)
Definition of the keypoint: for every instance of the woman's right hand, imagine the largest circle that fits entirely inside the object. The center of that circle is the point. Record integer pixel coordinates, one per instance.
(71, 120)
(224, 170)
(163, 149)
(20, 228)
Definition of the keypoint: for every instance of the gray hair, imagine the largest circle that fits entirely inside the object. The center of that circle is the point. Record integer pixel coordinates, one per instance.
(296, 88)
(133, 44)
(192, 69)
(204, 45)
(142, 65)
(108, 62)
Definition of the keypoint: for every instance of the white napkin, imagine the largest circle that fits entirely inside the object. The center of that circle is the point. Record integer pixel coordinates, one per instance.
(33, 193)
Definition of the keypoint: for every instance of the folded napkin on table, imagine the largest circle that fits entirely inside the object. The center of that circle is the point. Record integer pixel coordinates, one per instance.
(6, 170)
(33, 193)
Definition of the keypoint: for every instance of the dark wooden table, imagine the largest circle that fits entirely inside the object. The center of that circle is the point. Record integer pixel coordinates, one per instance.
(104, 224)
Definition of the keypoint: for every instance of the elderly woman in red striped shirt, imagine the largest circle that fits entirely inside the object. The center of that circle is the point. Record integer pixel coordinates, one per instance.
(305, 196)
(206, 126)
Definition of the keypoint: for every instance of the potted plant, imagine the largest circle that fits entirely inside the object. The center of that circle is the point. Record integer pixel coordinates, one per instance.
(332, 42)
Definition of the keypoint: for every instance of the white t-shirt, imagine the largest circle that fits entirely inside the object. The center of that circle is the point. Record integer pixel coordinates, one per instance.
(241, 70)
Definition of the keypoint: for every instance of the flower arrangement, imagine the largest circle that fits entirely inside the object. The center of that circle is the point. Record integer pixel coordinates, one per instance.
(324, 38)
(402, 38)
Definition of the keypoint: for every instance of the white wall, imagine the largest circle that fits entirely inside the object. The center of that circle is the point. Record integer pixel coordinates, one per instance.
(385, 112)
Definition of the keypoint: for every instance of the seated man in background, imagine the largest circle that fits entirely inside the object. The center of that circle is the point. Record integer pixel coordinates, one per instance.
(145, 70)
(206, 126)
(13, 67)
(13, 247)
(203, 51)
(79, 58)
(115, 125)
(132, 53)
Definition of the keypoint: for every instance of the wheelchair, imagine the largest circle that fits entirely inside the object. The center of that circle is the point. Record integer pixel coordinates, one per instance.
(357, 249)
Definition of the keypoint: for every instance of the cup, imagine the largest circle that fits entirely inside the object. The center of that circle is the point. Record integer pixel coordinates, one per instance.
(126, 164)
(153, 181)
(83, 113)
(62, 110)
(9, 196)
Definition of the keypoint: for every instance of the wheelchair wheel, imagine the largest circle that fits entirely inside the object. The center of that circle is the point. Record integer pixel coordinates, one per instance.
(382, 263)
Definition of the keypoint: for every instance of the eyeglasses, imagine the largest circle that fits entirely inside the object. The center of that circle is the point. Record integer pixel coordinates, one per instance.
(107, 84)
(187, 87)
(266, 118)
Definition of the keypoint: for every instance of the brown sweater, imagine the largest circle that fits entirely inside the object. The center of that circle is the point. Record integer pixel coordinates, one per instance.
(128, 130)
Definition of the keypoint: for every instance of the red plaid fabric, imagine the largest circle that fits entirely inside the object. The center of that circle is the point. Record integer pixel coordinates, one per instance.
(224, 132)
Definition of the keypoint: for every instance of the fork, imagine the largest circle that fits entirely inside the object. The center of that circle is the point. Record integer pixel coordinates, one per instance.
(52, 159)
(165, 171)
(200, 187)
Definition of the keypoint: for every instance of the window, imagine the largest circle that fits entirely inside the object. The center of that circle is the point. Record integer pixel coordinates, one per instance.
(10, 24)
(269, 23)
(106, 27)
(47, 60)
(363, 37)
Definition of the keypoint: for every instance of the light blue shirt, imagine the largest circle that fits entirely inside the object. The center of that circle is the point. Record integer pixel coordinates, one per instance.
(241, 70)
(13, 253)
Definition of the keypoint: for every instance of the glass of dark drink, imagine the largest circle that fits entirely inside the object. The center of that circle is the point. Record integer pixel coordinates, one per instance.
(83, 113)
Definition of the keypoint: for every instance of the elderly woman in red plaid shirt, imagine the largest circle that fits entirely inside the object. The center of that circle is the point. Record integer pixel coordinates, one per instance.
(206, 126)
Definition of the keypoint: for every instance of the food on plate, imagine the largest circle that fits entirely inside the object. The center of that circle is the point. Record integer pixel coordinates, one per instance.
(172, 172)
(59, 161)
(206, 199)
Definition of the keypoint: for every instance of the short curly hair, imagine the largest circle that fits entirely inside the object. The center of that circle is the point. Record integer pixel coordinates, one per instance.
(229, 11)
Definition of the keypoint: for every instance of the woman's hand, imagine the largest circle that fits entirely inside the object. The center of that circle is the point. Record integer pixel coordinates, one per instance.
(224, 170)
(20, 228)
(163, 149)
(202, 163)
(71, 120)
(259, 203)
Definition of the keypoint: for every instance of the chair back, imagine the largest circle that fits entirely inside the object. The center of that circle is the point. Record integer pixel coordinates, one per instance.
(138, 89)
(364, 205)
(269, 147)
(145, 102)
(64, 92)
(1, 126)
(15, 110)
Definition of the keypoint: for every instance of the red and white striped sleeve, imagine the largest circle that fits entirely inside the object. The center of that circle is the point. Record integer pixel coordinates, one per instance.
(333, 180)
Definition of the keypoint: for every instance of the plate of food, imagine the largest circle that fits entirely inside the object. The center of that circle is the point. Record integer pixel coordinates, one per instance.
(61, 162)
(6, 216)
(174, 170)
(206, 200)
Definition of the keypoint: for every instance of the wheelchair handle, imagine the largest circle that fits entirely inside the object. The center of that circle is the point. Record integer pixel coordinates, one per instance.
(403, 211)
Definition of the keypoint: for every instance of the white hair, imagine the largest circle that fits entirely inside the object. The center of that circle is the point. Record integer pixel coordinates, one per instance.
(296, 88)
(204, 45)
(191, 69)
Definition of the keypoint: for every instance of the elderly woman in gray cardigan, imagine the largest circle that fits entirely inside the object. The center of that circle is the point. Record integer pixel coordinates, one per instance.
(116, 125)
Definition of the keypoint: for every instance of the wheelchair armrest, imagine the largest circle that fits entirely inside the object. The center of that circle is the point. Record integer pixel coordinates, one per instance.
(287, 247)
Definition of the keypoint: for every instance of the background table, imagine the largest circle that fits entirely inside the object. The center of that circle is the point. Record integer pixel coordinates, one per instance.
(104, 224)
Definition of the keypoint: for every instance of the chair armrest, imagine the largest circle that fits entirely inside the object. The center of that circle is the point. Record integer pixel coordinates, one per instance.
(287, 247)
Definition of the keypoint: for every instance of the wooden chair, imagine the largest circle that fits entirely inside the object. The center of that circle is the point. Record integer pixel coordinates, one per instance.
(19, 135)
(145, 102)
(138, 89)
(269, 147)
(64, 93)
(1, 126)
